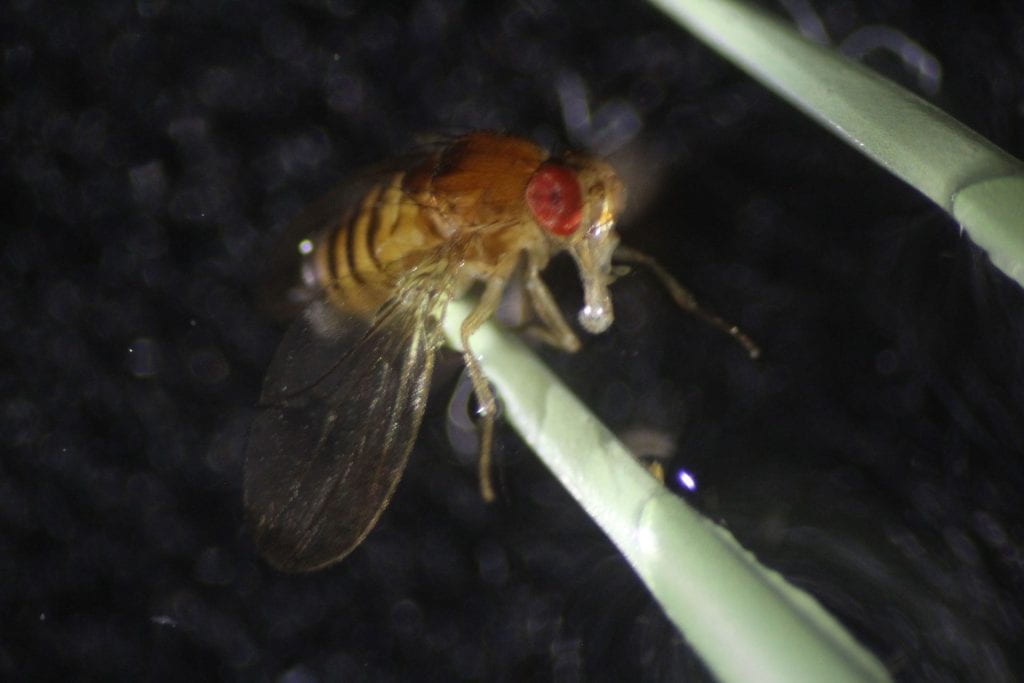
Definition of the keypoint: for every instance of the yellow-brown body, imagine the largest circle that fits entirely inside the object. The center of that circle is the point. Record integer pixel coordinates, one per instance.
(464, 206)
(343, 399)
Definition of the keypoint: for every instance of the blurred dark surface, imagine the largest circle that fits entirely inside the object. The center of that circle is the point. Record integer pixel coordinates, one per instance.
(152, 151)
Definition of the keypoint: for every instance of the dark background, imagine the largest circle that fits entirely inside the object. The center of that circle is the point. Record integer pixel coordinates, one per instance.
(152, 151)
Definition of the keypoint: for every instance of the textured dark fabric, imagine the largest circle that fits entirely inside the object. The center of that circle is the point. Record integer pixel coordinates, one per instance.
(150, 153)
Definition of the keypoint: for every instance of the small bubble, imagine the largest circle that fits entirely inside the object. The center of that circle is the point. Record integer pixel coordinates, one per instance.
(492, 564)
(303, 153)
(298, 674)
(189, 132)
(407, 618)
(144, 358)
(149, 183)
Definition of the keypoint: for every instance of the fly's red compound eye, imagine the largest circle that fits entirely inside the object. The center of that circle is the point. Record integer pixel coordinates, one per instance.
(553, 195)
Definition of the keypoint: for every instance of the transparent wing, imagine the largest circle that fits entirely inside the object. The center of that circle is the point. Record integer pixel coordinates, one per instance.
(340, 409)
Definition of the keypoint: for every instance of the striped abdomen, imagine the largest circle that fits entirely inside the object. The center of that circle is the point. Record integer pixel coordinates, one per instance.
(386, 234)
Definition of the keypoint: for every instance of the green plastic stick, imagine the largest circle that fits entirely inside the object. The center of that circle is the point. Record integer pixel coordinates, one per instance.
(744, 620)
(979, 184)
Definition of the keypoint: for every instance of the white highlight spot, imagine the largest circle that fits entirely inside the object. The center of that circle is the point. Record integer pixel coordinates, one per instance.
(686, 480)
(647, 540)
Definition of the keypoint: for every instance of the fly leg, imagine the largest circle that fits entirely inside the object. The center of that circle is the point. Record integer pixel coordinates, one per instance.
(684, 299)
(553, 329)
(484, 309)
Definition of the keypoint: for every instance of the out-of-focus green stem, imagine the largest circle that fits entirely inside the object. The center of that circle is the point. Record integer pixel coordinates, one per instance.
(979, 184)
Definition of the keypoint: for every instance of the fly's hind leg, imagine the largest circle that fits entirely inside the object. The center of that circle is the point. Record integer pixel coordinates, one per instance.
(485, 397)
(684, 299)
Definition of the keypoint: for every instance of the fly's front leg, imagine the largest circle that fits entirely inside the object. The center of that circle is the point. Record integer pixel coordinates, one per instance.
(484, 309)
(553, 329)
(683, 298)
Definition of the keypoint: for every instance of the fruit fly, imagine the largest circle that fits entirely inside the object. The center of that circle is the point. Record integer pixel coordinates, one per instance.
(345, 393)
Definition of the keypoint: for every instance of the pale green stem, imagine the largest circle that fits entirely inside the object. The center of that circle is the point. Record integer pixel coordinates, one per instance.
(979, 184)
(744, 620)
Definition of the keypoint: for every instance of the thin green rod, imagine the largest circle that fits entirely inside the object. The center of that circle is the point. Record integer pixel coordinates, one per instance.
(978, 183)
(744, 620)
